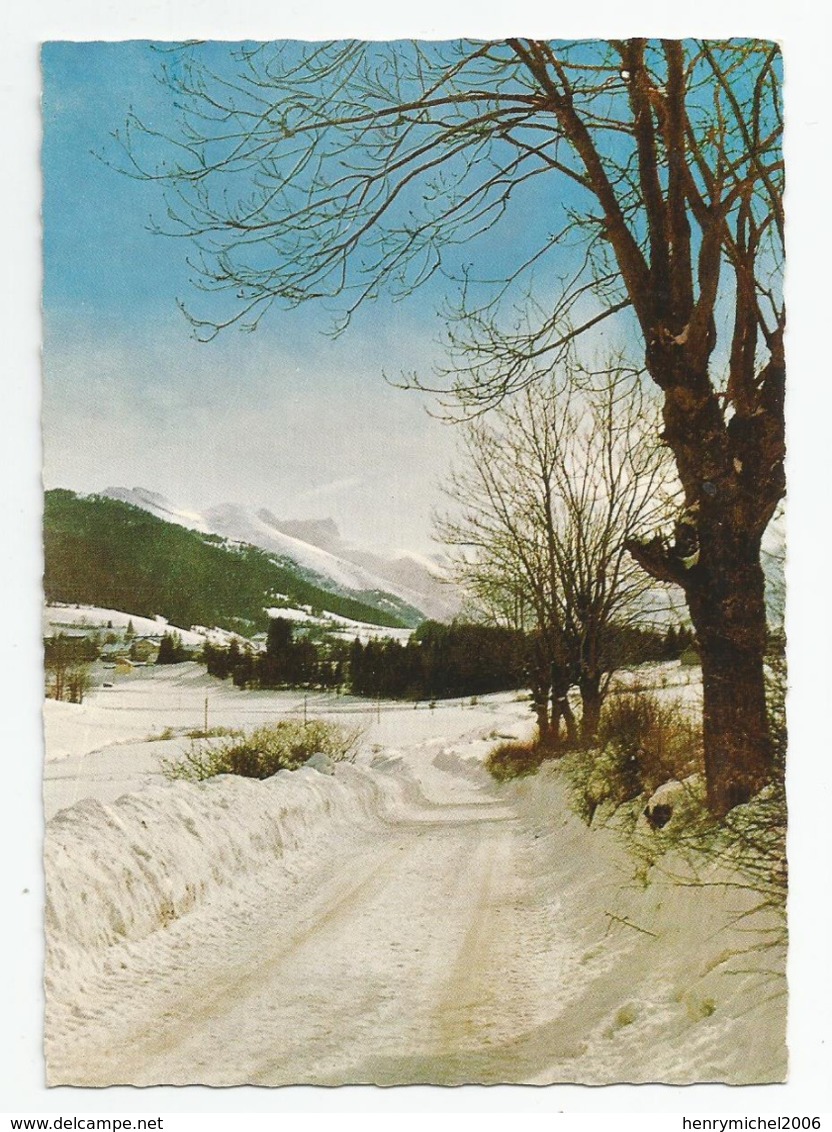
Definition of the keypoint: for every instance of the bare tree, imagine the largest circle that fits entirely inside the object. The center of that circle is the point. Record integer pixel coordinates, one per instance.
(78, 683)
(549, 493)
(309, 171)
(68, 675)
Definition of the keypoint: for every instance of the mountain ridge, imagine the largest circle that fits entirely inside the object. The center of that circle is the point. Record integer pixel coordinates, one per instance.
(317, 549)
(106, 552)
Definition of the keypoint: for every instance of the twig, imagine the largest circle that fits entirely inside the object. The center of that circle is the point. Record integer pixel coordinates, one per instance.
(627, 923)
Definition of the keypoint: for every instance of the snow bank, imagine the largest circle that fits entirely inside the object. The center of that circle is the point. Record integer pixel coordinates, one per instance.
(288, 613)
(408, 904)
(379, 631)
(672, 975)
(121, 871)
(468, 765)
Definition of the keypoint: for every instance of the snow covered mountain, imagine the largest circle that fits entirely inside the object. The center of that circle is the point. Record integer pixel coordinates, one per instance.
(316, 548)
(157, 505)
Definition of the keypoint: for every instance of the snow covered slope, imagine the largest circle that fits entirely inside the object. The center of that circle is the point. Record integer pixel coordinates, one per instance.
(58, 618)
(316, 547)
(342, 628)
(236, 522)
(157, 505)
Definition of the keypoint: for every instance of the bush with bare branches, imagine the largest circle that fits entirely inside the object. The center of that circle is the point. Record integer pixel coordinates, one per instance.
(285, 745)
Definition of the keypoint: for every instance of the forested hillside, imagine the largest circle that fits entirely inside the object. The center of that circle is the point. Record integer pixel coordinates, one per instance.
(100, 551)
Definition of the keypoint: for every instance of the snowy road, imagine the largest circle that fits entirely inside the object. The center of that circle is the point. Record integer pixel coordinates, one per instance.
(381, 978)
(456, 944)
(390, 967)
(404, 921)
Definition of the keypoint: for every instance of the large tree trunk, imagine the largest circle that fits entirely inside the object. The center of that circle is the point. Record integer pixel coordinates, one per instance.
(733, 478)
(726, 599)
(716, 560)
(569, 720)
(541, 690)
(727, 606)
(544, 727)
(732, 471)
(591, 700)
(561, 710)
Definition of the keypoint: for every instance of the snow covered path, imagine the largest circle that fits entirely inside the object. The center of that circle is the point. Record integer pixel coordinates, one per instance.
(465, 938)
(404, 948)
(405, 920)
(382, 957)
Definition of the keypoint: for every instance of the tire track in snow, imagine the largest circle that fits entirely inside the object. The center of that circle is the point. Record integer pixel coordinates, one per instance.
(167, 1045)
(449, 946)
(375, 963)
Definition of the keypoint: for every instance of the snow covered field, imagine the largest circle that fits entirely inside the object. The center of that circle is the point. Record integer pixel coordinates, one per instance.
(404, 920)
(143, 703)
(342, 628)
(91, 618)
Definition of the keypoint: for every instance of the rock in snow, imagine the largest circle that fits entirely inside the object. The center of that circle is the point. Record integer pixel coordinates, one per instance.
(320, 762)
(666, 799)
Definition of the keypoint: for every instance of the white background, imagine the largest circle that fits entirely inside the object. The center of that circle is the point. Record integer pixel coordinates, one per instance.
(804, 32)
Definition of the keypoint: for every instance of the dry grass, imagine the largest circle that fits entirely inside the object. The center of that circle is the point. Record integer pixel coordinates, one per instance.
(642, 742)
(260, 753)
(516, 759)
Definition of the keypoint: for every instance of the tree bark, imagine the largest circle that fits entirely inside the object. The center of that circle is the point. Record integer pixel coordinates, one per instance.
(725, 590)
(561, 683)
(728, 611)
(569, 720)
(541, 689)
(544, 728)
(591, 700)
(732, 475)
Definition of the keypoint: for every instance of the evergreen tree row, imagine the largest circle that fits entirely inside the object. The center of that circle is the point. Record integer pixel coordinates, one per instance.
(296, 664)
(438, 662)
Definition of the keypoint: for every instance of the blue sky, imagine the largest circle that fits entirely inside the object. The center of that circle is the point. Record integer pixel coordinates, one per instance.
(97, 252)
(286, 417)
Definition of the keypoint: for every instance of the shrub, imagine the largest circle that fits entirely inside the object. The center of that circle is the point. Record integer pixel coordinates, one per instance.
(78, 683)
(744, 850)
(285, 745)
(755, 842)
(652, 740)
(749, 842)
(642, 743)
(751, 839)
(162, 736)
(212, 732)
(646, 742)
(192, 733)
(514, 760)
(776, 689)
